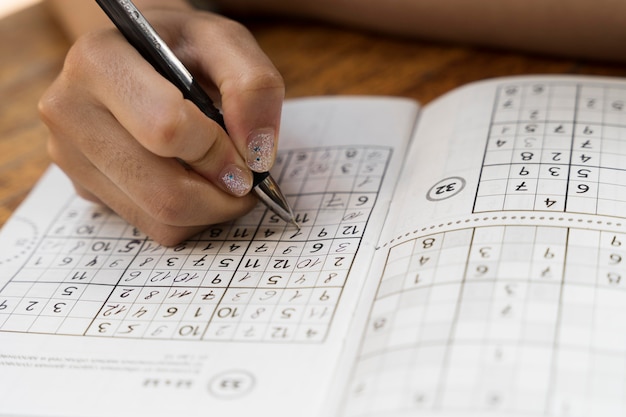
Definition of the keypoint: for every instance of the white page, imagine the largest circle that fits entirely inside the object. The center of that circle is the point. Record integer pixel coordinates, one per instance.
(500, 280)
(96, 320)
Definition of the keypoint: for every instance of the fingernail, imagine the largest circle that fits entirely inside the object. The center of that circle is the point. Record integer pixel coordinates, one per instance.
(236, 180)
(261, 149)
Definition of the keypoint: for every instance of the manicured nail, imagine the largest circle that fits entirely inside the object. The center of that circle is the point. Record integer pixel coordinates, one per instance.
(236, 180)
(261, 149)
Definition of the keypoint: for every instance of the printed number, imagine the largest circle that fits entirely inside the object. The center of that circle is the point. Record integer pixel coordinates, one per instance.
(583, 173)
(445, 188)
(549, 203)
(317, 247)
(527, 156)
(582, 188)
(614, 278)
(529, 142)
(482, 269)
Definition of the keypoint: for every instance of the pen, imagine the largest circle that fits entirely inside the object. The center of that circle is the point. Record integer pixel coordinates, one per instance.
(141, 35)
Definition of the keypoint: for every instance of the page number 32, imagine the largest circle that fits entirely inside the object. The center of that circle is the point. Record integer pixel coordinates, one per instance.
(445, 188)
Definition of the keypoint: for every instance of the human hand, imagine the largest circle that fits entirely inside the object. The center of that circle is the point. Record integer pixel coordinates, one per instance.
(120, 130)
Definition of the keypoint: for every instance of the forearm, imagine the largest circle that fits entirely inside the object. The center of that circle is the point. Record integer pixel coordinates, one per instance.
(583, 28)
(80, 16)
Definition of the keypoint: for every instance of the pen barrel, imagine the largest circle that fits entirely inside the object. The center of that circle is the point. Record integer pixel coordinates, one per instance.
(200, 98)
(142, 36)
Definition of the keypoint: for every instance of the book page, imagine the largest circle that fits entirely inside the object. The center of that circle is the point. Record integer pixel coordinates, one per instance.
(248, 317)
(500, 287)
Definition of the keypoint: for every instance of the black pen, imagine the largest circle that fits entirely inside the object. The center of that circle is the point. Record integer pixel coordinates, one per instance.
(141, 35)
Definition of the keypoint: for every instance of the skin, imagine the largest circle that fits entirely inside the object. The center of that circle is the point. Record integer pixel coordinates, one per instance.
(593, 29)
(120, 131)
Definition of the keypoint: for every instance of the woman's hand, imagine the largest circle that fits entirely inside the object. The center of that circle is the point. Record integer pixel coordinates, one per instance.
(120, 130)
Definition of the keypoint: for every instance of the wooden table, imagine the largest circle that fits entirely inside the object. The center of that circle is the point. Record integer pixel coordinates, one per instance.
(314, 60)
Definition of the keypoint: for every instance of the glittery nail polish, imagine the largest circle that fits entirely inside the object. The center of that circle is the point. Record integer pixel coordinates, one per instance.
(261, 149)
(235, 180)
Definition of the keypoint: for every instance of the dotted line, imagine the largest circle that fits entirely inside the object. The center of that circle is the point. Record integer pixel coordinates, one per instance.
(494, 218)
(27, 249)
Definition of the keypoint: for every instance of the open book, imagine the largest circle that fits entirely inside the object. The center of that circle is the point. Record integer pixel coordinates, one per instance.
(465, 258)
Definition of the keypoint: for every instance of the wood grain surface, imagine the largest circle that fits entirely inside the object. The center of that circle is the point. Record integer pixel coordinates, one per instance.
(314, 59)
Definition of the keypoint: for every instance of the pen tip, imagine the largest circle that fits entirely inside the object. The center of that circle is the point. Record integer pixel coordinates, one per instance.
(295, 224)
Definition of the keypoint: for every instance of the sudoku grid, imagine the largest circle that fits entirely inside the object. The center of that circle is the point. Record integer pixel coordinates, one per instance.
(556, 147)
(254, 279)
(497, 318)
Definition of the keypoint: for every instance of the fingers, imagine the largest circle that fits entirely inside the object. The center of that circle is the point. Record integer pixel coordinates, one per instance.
(155, 113)
(155, 194)
(163, 233)
(107, 163)
(120, 130)
(251, 88)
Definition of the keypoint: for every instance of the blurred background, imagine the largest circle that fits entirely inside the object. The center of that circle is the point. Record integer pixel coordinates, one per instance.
(11, 6)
